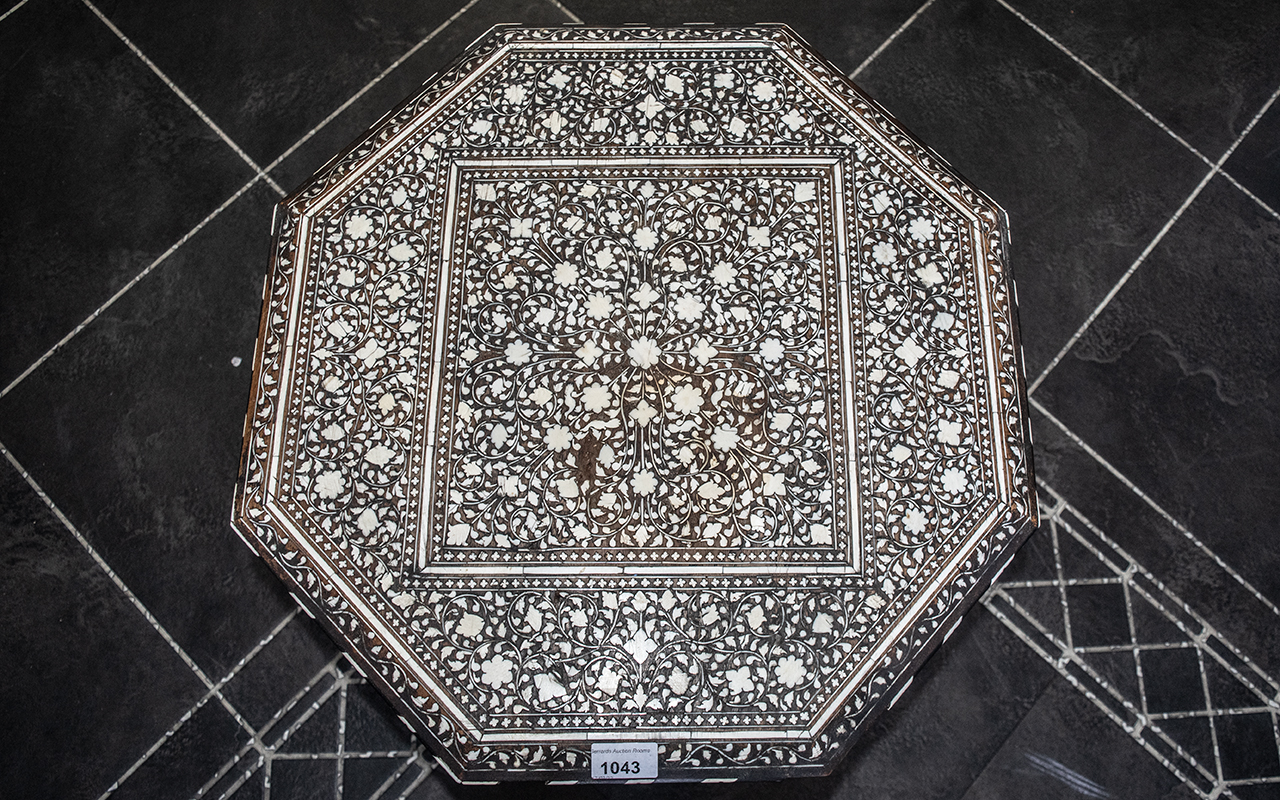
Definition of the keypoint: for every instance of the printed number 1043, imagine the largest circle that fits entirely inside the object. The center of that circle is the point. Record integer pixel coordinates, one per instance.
(624, 761)
(618, 768)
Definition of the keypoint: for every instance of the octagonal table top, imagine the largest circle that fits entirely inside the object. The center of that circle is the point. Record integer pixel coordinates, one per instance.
(637, 404)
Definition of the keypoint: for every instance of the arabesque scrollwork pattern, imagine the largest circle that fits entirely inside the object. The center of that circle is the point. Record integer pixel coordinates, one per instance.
(634, 297)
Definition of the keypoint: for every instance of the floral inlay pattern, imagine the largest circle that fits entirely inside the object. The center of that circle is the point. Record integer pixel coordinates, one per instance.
(660, 654)
(645, 362)
(638, 383)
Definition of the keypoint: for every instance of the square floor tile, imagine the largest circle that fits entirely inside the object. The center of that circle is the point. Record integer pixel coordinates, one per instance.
(1177, 383)
(266, 72)
(134, 429)
(1098, 615)
(1204, 69)
(88, 683)
(103, 168)
(1066, 747)
(361, 778)
(1186, 570)
(1087, 180)
(406, 81)
(844, 33)
(1171, 680)
(1256, 162)
(302, 780)
(1248, 744)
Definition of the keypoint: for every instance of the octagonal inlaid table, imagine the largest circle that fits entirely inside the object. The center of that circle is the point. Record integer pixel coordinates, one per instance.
(637, 404)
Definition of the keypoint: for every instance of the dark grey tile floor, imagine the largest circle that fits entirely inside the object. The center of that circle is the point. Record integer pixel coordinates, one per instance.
(1131, 650)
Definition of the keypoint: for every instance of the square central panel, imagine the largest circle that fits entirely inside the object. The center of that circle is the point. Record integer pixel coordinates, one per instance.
(641, 366)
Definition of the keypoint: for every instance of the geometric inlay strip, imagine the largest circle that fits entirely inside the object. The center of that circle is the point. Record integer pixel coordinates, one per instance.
(1149, 661)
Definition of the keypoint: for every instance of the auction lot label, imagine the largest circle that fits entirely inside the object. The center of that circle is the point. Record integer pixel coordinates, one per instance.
(624, 761)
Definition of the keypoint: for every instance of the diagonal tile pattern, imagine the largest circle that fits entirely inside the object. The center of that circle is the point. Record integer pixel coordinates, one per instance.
(1143, 656)
(333, 738)
(125, 142)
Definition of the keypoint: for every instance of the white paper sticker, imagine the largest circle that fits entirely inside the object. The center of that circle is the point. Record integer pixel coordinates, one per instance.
(624, 761)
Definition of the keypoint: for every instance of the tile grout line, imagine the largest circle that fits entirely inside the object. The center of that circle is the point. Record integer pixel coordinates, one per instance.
(1205, 714)
(1213, 722)
(1045, 583)
(1056, 537)
(19, 5)
(395, 776)
(1196, 638)
(121, 291)
(342, 740)
(1250, 194)
(866, 62)
(1120, 284)
(1156, 507)
(359, 756)
(574, 18)
(266, 752)
(1134, 648)
(280, 626)
(106, 568)
(123, 587)
(395, 64)
(1128, 99)
(1197, 635)
(1215, 170)
(426, 768)
(1120, 92)
(183, 96)
(221, 208)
